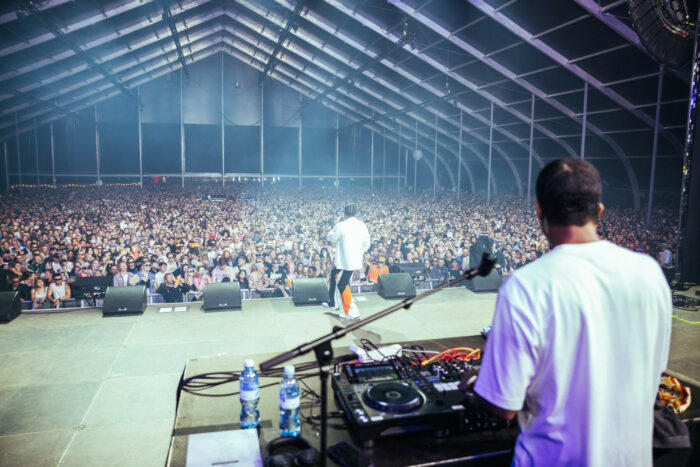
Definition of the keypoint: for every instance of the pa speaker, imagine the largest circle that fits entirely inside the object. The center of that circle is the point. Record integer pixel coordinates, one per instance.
(490, 283)
(220, 296)
(10, 306)
(121, 301)
(309, 291)
(396, 285)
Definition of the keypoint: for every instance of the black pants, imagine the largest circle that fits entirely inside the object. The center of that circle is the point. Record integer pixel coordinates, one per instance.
(343, 281)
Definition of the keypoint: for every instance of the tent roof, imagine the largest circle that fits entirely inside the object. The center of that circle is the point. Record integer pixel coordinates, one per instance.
(384, 64)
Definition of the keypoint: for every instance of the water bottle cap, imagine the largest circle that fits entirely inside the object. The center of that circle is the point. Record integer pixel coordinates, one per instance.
(248, 363)
(289, 371)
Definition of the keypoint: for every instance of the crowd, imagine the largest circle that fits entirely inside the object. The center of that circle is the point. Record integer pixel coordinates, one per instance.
(176, 241)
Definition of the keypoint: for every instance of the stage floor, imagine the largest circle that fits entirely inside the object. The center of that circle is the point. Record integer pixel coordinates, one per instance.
(80, 389)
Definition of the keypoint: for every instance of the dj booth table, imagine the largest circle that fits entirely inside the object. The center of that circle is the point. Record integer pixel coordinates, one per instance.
(197, 414)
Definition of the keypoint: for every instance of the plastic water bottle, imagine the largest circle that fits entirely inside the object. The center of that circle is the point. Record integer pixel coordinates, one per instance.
(289, 404)
(250, 395)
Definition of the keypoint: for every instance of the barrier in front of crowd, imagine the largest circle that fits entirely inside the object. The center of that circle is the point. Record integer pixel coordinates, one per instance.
(197, 296)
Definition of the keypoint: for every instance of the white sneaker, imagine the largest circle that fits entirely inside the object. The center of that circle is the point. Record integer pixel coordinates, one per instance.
(344, 317)
(327, 305)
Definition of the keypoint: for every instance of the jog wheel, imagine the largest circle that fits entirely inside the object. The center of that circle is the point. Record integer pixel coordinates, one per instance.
(393, 397)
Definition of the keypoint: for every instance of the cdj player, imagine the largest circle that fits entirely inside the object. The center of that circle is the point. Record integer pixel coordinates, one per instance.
(392, 397)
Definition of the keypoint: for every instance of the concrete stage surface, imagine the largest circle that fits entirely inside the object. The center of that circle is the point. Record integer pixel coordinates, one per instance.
(80, 389)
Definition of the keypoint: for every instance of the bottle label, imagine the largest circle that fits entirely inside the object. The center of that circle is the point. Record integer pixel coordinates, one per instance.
(289, 403)
(250, 395)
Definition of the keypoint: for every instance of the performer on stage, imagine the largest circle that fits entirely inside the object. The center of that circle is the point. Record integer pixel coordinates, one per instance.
(352, 239)
(580, 336)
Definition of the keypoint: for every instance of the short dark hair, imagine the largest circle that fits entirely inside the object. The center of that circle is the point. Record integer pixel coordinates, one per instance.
(349, 210)
(569, 191)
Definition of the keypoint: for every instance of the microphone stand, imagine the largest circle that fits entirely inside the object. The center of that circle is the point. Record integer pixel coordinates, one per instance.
(324, 352)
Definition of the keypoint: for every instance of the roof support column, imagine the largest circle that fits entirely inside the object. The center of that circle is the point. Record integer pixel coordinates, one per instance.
(53, 157)
(459, 157)
(659, 93)
(223, 169)
(488, 179)
(384, 161)
(140, 117)
(398, 162)
(337, 127)
(371, 161)
(299, 147)
(435, 159)
(405, 169)
(19, 160)
(36, 152)
(262, 131)
(415, 163)
(97, 148)
(584, 118)
(7, 171)
(529, 160)
(182, 136)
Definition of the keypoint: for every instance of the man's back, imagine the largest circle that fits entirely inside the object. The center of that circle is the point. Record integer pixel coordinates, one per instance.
(352, 240)
(582, 337)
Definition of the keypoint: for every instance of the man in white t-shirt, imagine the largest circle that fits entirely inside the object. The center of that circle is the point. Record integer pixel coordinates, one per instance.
(580, 336)
(351, 239)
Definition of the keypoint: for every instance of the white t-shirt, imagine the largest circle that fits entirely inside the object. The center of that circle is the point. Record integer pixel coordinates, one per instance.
(352, 240)
(579, 340)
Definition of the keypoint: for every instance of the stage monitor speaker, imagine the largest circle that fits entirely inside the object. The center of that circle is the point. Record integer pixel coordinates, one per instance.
(490, 283)
(396, 285)
(10, 306)
(222, 296)
(123, 301)
(309, 291)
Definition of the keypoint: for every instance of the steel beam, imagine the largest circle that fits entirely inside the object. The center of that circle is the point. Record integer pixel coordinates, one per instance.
(7, 169)
(168, 18)
(529, 159)
(19, 160)
(569, 65)
(488, 180)
(97, 148)
(182, 135)
(435, 162)
(371, 161)
(292, 80)
(299, 148)
(53, 157)
(459, 158)
(434, 26)
(262, 130)
(314, 19)
(253, 53)
(140, 118)
(583, 121)
(47, 23)
(88, 20)
(627, 33)
(654, 147)
(36, 155)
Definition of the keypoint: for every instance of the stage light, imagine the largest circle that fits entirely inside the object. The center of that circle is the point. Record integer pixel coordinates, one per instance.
(418, 155)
